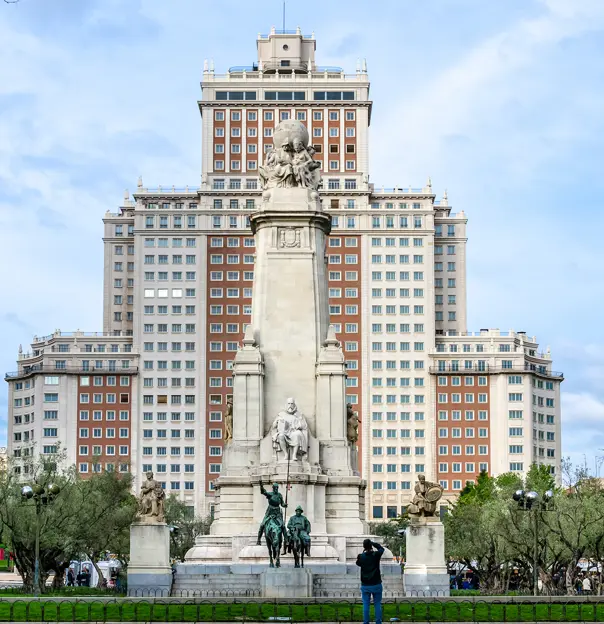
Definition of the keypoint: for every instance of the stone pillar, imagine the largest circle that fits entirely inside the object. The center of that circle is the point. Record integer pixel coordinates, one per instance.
(234, 495)
(248, 410)
(334, 449)
(425, 568)
(290, 311)
(149, 571)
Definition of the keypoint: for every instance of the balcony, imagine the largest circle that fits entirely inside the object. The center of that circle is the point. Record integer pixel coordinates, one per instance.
(448, 369)
(276, 72)
(28, 371)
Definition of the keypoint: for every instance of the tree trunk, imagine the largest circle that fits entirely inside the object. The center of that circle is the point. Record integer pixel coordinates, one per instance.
(25, 568)
(59, 577)
(101, 577)
(570, 578)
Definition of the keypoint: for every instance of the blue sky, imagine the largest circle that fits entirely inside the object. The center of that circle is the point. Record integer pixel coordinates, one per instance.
(499, 102)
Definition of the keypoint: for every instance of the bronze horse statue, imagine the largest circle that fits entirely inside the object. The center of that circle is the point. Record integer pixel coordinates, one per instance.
(297, 546)
(274, 540)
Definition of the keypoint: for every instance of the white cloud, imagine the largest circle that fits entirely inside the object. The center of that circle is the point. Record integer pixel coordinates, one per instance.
(582, 410)
(582, 428)
(471, 95)
(481, 114)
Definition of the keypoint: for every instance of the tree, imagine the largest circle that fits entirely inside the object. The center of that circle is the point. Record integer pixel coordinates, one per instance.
(106, 509)
(493, 535)
(185, 527)
(578, 523)
(471, 537)
(20, 518)
(392, 535)
(87, 516)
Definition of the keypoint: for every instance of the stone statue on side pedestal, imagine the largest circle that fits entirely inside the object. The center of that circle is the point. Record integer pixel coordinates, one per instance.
(290, 433)
(151, 501)
(425, 568)
(427, 494)
(352, 420)
(228, 421)
(149, 565)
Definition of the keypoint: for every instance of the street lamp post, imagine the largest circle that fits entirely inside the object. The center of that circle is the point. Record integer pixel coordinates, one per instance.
(531, 501)
(598, 462)
(42, 495)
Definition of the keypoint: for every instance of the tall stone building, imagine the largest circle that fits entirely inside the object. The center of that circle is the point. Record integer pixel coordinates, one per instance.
(150, 391)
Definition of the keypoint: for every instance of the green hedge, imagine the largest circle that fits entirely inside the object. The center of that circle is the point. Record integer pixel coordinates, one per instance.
(124, 610)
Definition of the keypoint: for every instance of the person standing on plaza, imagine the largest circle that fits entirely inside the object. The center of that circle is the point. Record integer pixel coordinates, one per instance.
(371, 579)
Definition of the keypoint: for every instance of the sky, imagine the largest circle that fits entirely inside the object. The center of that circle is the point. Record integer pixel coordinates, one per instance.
(500, 102)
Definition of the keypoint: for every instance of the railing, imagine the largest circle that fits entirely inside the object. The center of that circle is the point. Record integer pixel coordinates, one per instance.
(401, 189)
(228, 187)
(296, 31)
(70, 370)
(74, 334)
(226, 608)
(448, 370)
(272, 66)
(319, 73)
(167, 190)
(493, 333)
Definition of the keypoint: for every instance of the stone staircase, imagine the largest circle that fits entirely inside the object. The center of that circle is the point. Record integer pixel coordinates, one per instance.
(216, 585)
(231, 580)
(348, 585)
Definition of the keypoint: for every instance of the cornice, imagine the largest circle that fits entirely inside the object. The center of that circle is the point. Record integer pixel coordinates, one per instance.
(284, 104)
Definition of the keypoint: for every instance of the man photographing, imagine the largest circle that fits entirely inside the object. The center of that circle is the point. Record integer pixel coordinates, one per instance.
(371, 579)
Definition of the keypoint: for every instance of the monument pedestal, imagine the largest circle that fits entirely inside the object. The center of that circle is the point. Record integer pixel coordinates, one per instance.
(286, 583)
(149, 570)
(288, 350)
(425, 568)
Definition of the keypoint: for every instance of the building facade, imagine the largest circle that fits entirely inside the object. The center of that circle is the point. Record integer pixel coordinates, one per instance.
(178, 273)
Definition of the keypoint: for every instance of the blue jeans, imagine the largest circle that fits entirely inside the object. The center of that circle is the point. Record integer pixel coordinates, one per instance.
(367, 591)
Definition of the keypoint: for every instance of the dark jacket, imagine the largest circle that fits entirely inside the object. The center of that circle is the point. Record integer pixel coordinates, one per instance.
(369, 562)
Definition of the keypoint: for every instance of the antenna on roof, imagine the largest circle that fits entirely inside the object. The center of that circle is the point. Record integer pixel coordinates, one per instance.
(283, 15)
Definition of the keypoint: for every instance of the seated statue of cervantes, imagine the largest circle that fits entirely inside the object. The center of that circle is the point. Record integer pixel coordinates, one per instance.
(290, 433)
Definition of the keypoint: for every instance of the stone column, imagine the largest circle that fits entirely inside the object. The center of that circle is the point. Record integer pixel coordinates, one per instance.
(290, 312)
(235, 500)
(248, 409)
(334, 449)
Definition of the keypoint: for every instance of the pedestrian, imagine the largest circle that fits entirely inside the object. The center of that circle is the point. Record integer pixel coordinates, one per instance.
(586, 585)
(371, 579)
(86, 577)
(70, 578)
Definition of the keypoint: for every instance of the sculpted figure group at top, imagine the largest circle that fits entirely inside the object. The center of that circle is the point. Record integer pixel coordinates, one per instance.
(289, 163)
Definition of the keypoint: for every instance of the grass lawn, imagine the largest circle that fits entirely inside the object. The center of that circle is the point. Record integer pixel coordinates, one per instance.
(135, 611)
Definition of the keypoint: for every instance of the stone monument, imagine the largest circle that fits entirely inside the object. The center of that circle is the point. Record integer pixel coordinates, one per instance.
(149, 571)
(425, 567)
(288, 350)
